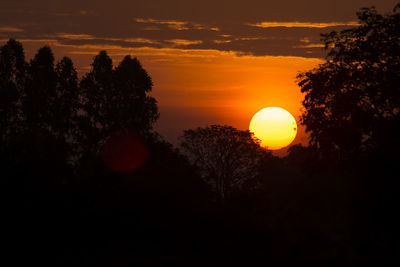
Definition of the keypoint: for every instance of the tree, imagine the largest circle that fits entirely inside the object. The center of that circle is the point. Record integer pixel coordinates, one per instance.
(225, 156)
(40, 91)
(116, 100)
(12, 81)
(352, 101)
(67, 97)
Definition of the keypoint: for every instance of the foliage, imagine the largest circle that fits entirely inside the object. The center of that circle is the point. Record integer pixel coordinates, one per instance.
(352, 101)
(226, 156)
(50, 120)
(116, 99)
(12, 80)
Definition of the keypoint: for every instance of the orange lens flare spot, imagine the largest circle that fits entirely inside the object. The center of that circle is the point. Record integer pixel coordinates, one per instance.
(274, 126)
(124, 152)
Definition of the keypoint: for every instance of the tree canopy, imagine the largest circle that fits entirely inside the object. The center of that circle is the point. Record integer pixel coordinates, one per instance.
(352, 101)
(225, 155)
(47, 113)
(116, 99)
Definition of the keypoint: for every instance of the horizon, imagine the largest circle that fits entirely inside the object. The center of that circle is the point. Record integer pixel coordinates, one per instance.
(206, 69)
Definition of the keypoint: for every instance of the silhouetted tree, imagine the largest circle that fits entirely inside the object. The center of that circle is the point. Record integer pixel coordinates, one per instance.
(66, 104)
(48, 121)
(12, 81)
(115, 100)
(225, 156)
(136, 109)
(352, 101)
(352, 111)
(40, 91)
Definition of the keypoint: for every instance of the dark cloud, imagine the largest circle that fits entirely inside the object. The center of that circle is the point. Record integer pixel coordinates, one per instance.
(258, 27)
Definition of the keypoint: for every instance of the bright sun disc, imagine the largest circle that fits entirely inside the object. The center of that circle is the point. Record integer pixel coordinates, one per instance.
(275, 127)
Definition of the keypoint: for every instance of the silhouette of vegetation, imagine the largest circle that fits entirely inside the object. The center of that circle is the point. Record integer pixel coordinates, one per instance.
(57, 184)
(115, 99)
(86, 181)
(227, 157)
(352, 100)
(352, 113)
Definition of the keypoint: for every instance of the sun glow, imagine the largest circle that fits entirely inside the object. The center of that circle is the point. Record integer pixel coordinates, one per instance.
(274, 126)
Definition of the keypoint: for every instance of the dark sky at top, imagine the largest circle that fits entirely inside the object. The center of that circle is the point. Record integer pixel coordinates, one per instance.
(206, 24)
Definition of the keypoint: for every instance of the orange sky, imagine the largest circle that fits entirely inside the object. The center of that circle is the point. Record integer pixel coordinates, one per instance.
(221, 87)
(212, 62)
(203, 87)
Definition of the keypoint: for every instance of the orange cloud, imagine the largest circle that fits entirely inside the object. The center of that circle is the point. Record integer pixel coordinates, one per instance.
(222, 41)
(305, 40)
(141, 40)
(75, 36)
(177, 25)
(42, 41)
(310, 46)
(296, 24)
(182, 42)
(251, 38)
(174, 24)
(10, 29)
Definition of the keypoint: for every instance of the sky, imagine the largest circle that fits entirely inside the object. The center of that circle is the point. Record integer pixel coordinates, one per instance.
(211, 61)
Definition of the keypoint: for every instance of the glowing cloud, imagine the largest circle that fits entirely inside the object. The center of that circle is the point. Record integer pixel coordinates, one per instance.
(10, 29)
(176, 24)
(173, 24)
(310, 46)
(182, 42)
(140, 40)
(296, 24)
(75, 36)
(222, 41)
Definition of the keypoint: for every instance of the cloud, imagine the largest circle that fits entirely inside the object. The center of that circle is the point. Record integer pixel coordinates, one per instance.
(75, 36)
(141, 40)
(151, 28)
(10, 29)
(182, 42)
(83, 37)
(305, 40)
(173, 24)
(44, 41)
(310, 46)
(252, 38)
(222, 41)
(176, 24)
(296, 24)
(74, 14)
(118, 50)
(242, 40)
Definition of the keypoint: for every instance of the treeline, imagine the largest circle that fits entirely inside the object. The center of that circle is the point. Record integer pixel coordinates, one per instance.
(86, 181)
(81, 165)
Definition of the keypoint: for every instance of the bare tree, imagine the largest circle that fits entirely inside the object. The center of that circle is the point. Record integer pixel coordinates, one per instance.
(225, 156)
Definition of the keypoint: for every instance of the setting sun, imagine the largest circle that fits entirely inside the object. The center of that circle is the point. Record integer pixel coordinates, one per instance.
(274, 126)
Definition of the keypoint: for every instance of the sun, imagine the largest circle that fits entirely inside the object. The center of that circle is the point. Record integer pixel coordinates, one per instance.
(274, 126)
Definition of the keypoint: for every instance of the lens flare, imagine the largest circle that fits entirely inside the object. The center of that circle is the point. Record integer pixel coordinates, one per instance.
(124, 152)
